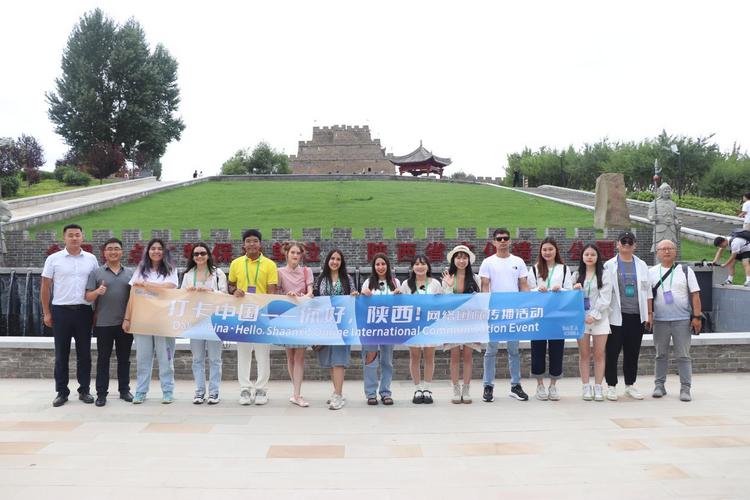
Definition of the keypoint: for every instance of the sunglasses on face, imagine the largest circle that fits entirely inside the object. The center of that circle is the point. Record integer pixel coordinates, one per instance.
(200, 254)
(627, 241)
(502, 238)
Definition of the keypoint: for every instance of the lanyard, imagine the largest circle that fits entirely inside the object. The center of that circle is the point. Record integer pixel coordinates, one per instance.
(257, 269)
(588, 286)
(671, 277)
(621, 270)
(549, 276)
(195, 277)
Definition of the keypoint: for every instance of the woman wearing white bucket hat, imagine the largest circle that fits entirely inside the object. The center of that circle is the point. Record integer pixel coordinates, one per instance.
(460, 278)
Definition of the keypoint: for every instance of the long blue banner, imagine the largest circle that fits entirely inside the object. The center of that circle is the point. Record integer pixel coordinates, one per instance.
(382, 319)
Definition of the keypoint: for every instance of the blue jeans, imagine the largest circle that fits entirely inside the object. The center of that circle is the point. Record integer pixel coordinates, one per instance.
(145, 347)
(199, 348)
(514, 363)
(385, 361)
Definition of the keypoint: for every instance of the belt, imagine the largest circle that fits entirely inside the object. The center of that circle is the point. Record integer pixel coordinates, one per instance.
(75, 307)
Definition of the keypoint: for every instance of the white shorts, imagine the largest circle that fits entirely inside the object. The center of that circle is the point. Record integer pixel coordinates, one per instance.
(600, 327)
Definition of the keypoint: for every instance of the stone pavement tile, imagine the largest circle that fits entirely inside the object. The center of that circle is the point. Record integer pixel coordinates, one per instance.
(480, 449)
(21, 448)
(708, 442)
(637, 423)
(664, 471)
(386, 451)
(48, 426)
(705, 420)
(306, 452)
(627, 445)
(178, 428)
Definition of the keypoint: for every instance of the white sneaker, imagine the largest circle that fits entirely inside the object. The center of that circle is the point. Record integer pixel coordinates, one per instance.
(337, 402)
(541, 393)
(612, 393)
(553, 394)
(246, 397)
(466, 394)
(456, 399)
(199, 398)
(587, 392)
(213, 399)
(634, 393)
(598, 393)
(727, 281)
(261, 397)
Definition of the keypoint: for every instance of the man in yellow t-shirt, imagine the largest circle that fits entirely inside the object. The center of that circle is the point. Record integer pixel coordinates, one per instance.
(253, 273)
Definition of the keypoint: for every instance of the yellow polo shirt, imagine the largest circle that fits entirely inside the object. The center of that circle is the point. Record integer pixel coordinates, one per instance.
(243, 271)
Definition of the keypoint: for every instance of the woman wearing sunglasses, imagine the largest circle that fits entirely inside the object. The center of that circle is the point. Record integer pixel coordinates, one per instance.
(201, 275)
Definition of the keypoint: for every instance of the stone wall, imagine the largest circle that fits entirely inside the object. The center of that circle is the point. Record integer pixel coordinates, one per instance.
(400, 247)
(341, 149)
(710, 354)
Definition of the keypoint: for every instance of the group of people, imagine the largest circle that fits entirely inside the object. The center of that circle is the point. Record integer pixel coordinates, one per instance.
(623, 298)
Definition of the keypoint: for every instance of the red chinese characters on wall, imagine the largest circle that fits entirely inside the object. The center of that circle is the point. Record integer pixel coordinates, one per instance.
(405, 252)
(187, 250)
(606, 248)
(375, 248)
(222, 253)
(522, 249)
(312, 252)
(489, 249)
(435, 251)
(136, 254)
(575, 250)
(277, 252)
(53, 248)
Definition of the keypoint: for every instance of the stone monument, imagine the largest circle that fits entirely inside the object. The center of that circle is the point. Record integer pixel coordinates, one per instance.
(610, 210)
(663, 213)
(5, 216)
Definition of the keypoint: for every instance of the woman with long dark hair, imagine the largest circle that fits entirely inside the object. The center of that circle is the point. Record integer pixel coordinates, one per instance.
(156, 270)
(334, 280)
(201, 275)
(549, 273)
(597, 290)
(460, 278)
(380, 282)
(421, 282)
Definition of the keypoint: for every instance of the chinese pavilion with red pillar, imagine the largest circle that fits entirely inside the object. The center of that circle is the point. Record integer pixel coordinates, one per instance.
(420, 161)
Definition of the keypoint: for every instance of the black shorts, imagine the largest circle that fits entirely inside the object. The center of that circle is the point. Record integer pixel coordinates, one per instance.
(743, 256)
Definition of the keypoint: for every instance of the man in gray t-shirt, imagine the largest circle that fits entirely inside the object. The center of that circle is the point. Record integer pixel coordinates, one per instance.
(108, 288)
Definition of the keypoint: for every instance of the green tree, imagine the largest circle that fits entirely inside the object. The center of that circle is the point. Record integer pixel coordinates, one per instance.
(115, 90)
(263, 160)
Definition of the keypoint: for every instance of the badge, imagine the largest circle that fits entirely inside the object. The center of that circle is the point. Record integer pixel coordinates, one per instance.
(250, 289)
(586, 303)
(630, 290)
(668, 297)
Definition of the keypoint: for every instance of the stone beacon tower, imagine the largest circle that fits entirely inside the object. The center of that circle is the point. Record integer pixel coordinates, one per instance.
(341, 149)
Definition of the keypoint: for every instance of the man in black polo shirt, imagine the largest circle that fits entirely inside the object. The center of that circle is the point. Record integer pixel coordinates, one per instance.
(108, 288)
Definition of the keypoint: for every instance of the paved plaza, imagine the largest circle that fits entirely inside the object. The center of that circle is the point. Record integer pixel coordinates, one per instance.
(507, 449)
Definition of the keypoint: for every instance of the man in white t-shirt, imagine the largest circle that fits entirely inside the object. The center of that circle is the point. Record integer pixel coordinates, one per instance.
(677, 311)
(739, 248)
(503, 272)
(745, 212)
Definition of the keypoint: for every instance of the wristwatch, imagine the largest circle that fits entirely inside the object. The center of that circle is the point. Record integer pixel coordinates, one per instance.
(696, 317)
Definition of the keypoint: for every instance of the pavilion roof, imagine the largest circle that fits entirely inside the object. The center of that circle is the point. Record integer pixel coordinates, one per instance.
(420, 156)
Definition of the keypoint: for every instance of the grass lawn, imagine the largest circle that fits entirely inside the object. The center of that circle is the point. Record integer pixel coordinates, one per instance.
(356, 204)
(48, 186)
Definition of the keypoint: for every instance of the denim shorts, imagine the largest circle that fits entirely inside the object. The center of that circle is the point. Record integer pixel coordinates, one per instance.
(334, 355)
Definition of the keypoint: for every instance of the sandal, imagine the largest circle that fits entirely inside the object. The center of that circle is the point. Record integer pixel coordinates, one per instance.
(387, 400)
(418, 398)
(427, 397)
(372, 401)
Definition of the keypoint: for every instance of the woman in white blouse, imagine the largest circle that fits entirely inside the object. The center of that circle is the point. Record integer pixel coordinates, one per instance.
(549, 273)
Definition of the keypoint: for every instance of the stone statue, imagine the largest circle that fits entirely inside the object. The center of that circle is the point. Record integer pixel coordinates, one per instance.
(663, 213)
(5, 216)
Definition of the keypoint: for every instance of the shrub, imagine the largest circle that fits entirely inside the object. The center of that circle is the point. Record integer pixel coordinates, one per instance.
(9, 185)
(46, 175)
(728, 179)
(61, 170)
(693, 202)
(77, 178)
